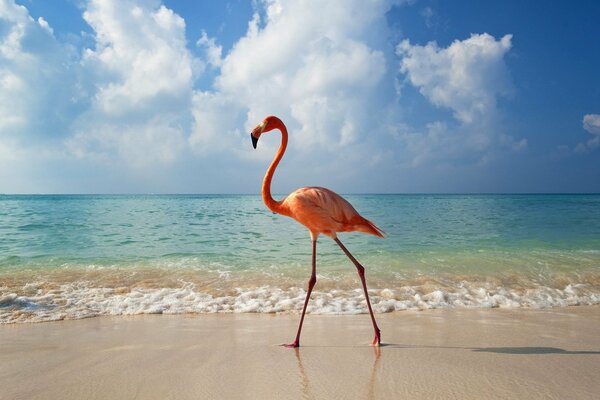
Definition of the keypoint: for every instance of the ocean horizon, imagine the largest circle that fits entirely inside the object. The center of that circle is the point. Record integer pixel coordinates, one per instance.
(84, 255)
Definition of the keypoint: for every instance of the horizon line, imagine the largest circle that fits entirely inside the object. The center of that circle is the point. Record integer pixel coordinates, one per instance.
(258, 194)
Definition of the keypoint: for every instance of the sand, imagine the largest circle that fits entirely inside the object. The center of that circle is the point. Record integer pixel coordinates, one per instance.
(437, 354)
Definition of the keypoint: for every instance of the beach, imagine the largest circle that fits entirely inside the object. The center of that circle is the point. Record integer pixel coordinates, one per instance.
(190, 297)
(446, 353)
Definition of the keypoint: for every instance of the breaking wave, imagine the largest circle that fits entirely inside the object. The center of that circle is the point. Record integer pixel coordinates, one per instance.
(78, 300)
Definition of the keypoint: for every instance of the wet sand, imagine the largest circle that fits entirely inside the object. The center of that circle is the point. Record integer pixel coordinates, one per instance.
(450, 354)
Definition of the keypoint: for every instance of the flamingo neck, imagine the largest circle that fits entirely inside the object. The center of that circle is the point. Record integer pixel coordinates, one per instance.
(271, 203)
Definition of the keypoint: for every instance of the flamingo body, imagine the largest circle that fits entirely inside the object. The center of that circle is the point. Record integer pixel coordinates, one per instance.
(321, 211)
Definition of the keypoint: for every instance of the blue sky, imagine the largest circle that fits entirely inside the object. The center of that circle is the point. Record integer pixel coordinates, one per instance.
(144, 96)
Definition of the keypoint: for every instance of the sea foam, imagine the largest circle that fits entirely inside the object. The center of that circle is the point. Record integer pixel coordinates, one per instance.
(80, 300)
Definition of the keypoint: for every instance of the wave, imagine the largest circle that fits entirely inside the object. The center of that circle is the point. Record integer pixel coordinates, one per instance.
(78, 300)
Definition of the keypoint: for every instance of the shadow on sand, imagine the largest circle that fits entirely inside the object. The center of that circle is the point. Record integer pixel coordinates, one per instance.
(499, 350)
(530, 350)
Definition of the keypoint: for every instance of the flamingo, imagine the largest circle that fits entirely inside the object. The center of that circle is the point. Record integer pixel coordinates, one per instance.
(320, 210)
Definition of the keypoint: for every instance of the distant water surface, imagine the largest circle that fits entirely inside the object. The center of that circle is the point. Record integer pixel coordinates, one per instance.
(82, 256)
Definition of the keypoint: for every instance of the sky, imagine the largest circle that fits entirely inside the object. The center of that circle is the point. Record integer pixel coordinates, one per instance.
(379, 96)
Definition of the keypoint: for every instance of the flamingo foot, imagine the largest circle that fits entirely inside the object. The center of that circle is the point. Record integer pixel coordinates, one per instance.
(377, 339)
(292, 345)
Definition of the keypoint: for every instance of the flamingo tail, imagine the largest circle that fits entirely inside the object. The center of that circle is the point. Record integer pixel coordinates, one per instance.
(369, 227)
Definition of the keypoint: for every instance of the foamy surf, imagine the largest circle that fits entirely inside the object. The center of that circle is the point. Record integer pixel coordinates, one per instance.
(81, 300)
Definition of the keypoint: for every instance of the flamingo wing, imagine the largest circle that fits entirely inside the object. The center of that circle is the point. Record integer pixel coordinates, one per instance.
(324, 211)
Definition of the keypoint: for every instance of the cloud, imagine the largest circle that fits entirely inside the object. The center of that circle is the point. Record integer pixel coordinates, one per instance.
(591, 123)
(467, 77)
(36, 78)
(129, 101)
(143, 75)
(430, 17)
(316, 65)
(213, 50)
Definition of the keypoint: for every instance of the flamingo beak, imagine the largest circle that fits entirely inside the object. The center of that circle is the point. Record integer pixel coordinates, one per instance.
(258, 131)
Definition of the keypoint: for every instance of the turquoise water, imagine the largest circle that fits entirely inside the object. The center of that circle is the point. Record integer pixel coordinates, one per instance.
(80, 256)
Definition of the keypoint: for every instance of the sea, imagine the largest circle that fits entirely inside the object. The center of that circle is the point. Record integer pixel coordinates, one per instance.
(81, 256)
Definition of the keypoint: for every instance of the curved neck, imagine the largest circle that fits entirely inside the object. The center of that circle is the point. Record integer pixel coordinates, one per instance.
(271, 203)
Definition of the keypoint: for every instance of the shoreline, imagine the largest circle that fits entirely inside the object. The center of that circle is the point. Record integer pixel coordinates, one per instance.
(69, 293)
(443, 353)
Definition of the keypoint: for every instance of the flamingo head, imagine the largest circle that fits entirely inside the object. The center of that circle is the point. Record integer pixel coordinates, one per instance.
(265, 126)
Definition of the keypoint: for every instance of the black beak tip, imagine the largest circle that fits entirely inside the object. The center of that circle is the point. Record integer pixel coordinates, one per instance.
(254, 140)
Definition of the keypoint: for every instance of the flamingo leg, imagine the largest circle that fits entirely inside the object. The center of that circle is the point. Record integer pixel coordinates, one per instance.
(311, 284)
(361, 274)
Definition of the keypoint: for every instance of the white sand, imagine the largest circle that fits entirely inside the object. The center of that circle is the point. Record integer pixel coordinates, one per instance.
(445, 354)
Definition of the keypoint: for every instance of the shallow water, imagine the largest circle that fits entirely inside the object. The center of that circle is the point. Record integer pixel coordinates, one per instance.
(81, 256)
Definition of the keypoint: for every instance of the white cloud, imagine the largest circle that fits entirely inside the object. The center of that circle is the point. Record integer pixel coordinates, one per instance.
(139, 145)
(141, 48)
(44, 24)
(219, 118)
(213, 51)
(312, 64)
(35, 77)
(591, 123)
(467, 77)
(143, 74)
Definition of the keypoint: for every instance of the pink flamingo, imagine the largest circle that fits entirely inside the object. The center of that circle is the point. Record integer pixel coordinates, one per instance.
(321, 211)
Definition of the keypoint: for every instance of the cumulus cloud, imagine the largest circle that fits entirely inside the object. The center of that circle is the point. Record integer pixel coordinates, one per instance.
(143, 74)
(311, 65)
(467, 77)
(591, 123)
(36, 80)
